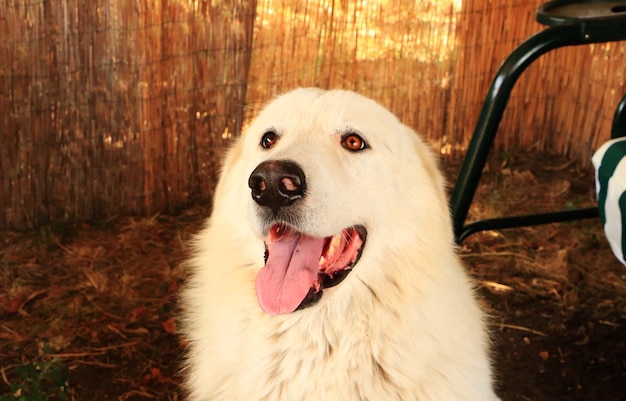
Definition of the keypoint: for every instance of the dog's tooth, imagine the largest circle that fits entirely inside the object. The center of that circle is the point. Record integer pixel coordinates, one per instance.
(322, 260)
(334, 244)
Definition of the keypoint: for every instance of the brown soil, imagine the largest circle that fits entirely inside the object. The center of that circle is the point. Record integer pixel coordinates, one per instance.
(101, 296)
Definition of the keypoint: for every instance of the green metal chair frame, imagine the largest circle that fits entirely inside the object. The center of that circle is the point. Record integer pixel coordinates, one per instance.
(570, 23)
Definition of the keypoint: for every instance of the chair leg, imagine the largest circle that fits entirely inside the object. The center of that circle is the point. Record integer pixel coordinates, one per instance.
(493, 109)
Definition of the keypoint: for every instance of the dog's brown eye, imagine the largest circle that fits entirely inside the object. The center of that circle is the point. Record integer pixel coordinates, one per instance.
(353, 142)
(269, 139)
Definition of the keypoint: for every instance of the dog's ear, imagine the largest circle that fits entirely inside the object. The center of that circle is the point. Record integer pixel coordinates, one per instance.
(430, 160)
(228, 174)
(234, 152)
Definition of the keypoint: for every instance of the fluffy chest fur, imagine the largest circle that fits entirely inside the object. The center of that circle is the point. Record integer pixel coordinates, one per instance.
(390, 339)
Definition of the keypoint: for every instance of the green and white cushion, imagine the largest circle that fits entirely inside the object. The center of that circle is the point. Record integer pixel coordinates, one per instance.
(610, 164)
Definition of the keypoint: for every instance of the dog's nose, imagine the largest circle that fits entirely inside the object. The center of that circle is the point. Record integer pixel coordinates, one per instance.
(277, 183)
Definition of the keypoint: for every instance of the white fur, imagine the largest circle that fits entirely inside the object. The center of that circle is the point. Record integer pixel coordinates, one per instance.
(403, 325)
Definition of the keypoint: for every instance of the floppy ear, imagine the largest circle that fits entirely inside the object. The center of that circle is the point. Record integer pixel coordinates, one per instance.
(227, 168)
(430, 161)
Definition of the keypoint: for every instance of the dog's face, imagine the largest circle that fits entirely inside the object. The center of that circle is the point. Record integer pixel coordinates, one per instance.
(321, 176)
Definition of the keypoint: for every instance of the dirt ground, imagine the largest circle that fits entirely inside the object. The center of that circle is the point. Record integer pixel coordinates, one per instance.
(88, 311)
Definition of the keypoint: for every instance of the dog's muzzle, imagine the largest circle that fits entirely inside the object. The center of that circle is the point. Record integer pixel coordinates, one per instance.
(298, 266)
(277, 183)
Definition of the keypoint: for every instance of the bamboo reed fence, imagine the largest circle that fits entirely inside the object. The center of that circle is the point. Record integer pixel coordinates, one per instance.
(564, 102)
(116, 107)
(125, 106)
(432, 62)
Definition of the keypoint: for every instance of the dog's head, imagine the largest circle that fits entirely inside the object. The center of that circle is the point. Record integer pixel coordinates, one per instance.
(326, 180)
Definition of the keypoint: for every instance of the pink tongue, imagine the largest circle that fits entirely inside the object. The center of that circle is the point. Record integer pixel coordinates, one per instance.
(290, 272)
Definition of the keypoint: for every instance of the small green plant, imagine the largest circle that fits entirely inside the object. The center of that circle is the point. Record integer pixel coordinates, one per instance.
(39, 381)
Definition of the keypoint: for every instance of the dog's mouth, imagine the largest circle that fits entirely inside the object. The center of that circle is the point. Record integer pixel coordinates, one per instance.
(298, 267)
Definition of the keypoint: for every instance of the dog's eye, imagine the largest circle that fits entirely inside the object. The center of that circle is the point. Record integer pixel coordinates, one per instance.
(269, 139)
(353, 142)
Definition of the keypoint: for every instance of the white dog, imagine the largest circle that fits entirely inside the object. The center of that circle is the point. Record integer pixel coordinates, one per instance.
(328, 270)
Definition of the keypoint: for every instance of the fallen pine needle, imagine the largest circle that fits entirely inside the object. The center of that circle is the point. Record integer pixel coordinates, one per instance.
(520, 328)
(4, 377)
(607, 323)
(96, 363)
(124, 345)
(141, 392)
(502, 254)
(96, 351)
(497, 286)
(66, 355)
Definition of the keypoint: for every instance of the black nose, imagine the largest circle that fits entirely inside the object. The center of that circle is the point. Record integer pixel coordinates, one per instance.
(277, 183)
